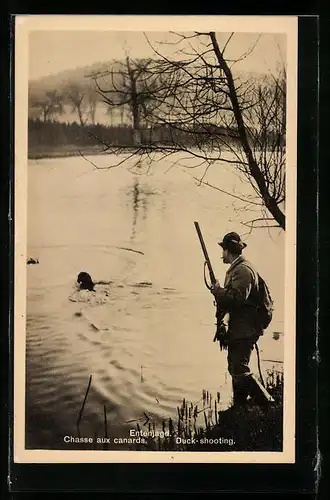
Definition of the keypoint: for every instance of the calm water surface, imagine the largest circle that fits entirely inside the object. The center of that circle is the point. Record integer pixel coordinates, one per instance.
(146, 337)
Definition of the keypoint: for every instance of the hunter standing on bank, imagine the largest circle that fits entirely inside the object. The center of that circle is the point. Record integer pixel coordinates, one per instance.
(239, 298)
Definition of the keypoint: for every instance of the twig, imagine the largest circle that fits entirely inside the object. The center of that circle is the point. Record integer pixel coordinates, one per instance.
(225, 192)
(84, 402)
(130, 250)
(105, 421)
(105, 446)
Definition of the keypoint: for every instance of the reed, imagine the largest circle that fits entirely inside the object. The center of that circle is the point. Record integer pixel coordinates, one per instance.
(252, 428)
(95, 440)
(105, 445)
(84, 402)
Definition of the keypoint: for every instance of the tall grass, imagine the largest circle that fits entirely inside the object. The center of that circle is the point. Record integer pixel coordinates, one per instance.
(202, 426)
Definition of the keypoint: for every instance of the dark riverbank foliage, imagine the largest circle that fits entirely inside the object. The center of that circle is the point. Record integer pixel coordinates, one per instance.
(202, 427)
(252, 428)
(55, 139)
(53, 136)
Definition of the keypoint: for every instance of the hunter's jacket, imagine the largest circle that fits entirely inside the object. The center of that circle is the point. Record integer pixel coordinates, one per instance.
(239, 299)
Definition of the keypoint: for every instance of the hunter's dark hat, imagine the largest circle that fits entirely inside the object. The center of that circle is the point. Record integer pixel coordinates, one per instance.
(232, 240)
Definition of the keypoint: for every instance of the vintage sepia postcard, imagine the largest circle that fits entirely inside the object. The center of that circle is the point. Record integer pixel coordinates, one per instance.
(155, 239)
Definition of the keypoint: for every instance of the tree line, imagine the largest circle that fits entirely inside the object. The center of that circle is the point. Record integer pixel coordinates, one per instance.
(52, 133)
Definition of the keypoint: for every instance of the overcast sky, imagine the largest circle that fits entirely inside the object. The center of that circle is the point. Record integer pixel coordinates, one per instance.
(54, 51)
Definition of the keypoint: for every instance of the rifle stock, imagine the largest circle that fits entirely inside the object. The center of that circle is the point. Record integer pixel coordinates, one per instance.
(206, 256)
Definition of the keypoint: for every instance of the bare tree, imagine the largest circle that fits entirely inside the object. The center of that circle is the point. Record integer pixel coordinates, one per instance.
(265, 122)
(130, 87)
(198, 107)
(264, 174)
(76, 96)
(48, 106)
(92, 100)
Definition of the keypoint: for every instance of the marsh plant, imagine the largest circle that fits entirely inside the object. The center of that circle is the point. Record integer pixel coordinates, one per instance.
(203, 426)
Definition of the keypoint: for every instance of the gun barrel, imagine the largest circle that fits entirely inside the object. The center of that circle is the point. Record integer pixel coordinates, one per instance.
(207, 259)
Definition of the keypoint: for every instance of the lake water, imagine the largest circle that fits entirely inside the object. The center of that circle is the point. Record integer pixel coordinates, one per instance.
(146, 337)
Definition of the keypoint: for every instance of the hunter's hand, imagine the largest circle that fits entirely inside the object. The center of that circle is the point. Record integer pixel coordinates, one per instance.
(216, 287)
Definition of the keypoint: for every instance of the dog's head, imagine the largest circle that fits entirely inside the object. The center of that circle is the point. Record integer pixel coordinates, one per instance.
(85, 281)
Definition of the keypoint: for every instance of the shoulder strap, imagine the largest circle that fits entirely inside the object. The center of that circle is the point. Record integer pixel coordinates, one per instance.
(253, 271)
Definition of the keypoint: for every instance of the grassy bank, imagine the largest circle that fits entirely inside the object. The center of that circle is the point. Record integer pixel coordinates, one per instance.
(247, 429)
(202, 427)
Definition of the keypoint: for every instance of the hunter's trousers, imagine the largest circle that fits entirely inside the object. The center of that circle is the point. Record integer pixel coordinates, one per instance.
(239, 354)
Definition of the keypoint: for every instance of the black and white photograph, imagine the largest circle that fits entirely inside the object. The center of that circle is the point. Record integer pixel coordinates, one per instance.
(155, 193)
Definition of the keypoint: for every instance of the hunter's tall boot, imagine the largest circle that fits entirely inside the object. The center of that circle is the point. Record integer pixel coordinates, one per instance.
(240, 392)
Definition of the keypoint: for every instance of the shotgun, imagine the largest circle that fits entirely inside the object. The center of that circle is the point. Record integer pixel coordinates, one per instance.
(206, 256)
(221, 331)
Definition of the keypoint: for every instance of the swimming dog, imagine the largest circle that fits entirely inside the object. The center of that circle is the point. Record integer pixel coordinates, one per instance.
(85, 281)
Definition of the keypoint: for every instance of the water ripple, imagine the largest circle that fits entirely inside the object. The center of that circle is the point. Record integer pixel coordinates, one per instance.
(146, 338)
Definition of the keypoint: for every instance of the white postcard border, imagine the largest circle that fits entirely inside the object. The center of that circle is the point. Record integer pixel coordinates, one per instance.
(271, 24)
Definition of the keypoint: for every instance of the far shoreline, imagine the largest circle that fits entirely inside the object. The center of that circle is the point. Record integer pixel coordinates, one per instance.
(41, 153)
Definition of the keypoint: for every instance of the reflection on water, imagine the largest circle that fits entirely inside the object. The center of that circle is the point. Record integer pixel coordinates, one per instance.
(146, 336)
(135, 206)
(140, 201)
